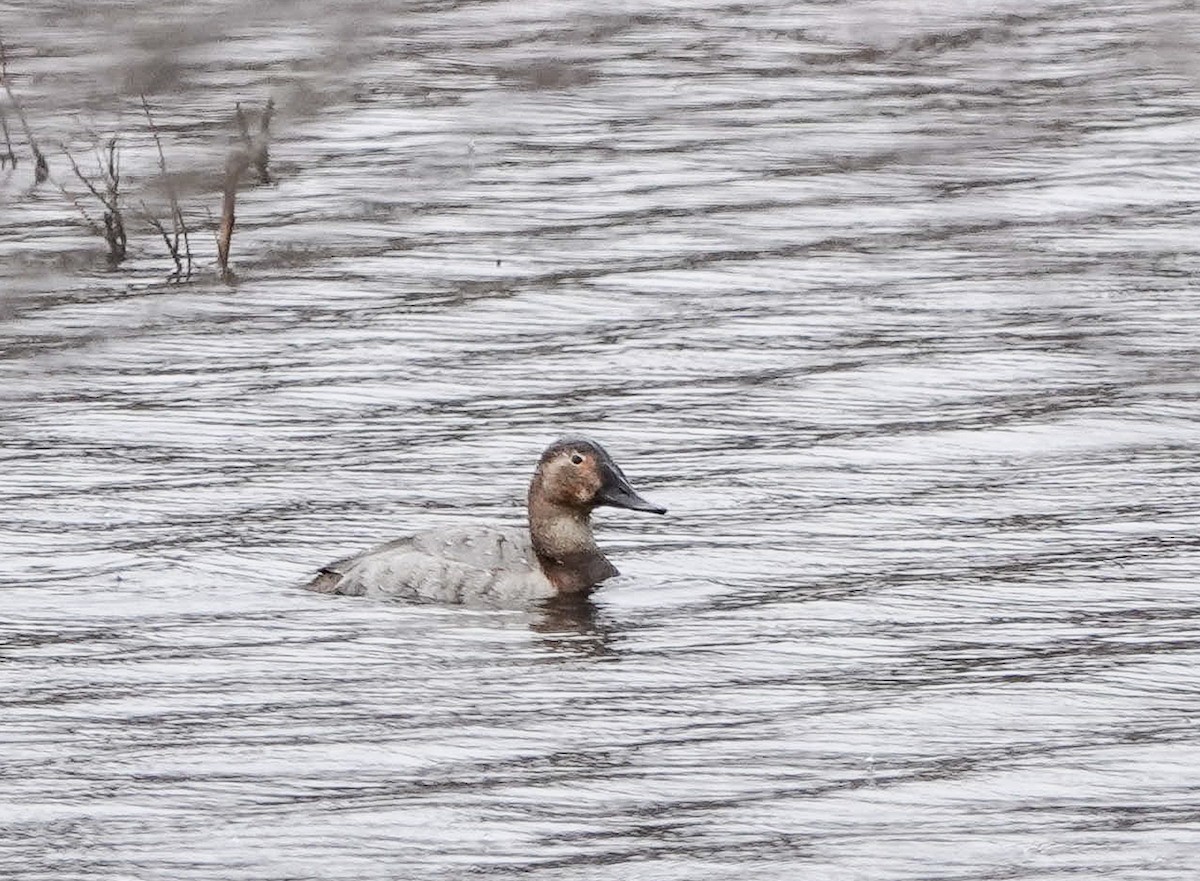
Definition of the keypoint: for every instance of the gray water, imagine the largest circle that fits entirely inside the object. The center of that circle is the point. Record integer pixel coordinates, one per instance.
(890, 303)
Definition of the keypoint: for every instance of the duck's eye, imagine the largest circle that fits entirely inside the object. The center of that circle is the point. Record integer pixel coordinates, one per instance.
(576, 459)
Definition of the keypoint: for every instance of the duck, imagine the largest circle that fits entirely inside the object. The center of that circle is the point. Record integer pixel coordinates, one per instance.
(554, 558)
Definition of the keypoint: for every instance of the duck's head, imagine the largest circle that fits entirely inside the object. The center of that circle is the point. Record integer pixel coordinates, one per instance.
(577, 473)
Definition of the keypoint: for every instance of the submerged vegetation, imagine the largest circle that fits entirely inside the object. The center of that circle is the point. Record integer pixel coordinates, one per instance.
(98, 190)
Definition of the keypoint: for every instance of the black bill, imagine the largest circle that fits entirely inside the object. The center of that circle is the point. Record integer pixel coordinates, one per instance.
(617, 492)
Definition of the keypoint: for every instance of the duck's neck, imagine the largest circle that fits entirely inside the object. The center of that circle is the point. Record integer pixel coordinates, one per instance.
(565, 548)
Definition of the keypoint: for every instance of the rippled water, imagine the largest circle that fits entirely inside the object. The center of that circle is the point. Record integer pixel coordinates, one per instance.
(891, 303)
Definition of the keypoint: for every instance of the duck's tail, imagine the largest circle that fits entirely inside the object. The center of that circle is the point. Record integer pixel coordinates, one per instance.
(326, 581)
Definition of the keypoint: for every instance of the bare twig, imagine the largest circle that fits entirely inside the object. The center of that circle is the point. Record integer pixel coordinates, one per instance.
(114, 168)
(257, 147)
(83, 177)
(243, 126)
(41, 169)
(172, 244)
(114, 234)
(8, 156)
(87, 218)
(262, 152)
(113, 229)
(179, 229)
(114, 224)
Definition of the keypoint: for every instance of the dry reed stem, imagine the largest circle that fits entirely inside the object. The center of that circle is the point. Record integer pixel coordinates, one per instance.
(235, 165)
(254, 151)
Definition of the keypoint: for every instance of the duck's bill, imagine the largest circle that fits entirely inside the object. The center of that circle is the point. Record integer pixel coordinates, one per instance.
(618, 493)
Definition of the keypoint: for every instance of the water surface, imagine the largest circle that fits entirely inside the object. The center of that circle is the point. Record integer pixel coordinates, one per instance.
(891, 306)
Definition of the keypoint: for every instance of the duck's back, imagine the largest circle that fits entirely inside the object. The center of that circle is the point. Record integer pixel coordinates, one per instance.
(472, 566)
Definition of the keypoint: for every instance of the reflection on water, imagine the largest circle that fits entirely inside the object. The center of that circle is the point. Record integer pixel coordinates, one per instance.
(891, 306)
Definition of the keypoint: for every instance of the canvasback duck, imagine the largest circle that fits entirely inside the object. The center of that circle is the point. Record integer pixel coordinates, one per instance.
(556, 556)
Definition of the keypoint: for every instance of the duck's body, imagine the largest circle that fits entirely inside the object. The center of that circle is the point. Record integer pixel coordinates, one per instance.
(556, 557)
(483, 566)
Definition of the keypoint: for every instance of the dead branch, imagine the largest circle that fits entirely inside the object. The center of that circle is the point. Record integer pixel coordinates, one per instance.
(257, 147)
(114, 169)
(41, 169)
(113, 229)
(92, 225)
(262, 153)
(83, 177)
(114, 234)
(171, 243)
(8, 156)
(179, 229)
(243, 126)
